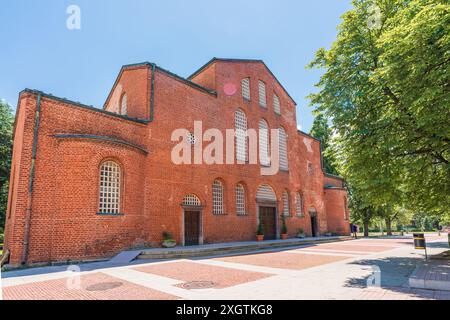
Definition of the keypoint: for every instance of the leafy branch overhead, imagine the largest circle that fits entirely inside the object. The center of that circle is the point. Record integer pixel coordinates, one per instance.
(6, 129)
(386, 89)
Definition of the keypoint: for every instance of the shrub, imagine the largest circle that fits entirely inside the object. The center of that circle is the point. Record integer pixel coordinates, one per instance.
(260, 230)
(167, 236)
(284, 229)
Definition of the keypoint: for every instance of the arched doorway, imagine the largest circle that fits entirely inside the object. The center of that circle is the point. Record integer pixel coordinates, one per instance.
(266, 201)
(314, 222)
(192, 220)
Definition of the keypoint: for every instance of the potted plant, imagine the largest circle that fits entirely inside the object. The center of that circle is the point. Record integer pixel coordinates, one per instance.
(284, 230)
(168, 241)
(260, 232)
(301, 233)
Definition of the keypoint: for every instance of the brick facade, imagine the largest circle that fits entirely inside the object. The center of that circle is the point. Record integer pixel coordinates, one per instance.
(59, 146)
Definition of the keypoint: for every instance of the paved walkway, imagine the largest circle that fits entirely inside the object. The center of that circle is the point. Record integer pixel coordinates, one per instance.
(360, 269)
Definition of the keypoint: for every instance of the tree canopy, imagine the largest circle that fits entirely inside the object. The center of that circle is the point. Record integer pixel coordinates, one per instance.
(386, 88)
(321, 130)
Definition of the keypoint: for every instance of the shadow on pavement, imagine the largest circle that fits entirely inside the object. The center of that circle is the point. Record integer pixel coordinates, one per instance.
(394, 274)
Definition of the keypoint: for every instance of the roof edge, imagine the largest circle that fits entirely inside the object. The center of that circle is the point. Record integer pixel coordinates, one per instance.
(84, 106)
(215, 59)
(99, 138)
(308, 135)
(149, 64)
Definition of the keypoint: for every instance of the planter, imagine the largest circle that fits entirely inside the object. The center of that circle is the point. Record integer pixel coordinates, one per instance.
(259, 237)
(169, 244)
(284, 236)
(301, 236)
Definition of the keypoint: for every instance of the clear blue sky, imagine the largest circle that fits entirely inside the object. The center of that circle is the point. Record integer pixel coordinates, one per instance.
(39, 52)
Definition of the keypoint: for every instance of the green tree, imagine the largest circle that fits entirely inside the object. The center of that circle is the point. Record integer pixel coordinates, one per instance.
(386, 88)
(322, 131)
(6, 129)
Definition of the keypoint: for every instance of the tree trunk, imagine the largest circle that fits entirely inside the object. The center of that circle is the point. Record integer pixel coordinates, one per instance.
(366, 228)
(388, 221)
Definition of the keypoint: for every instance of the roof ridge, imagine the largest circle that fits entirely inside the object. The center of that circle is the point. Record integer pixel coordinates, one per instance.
(82, 105)
(241, 60)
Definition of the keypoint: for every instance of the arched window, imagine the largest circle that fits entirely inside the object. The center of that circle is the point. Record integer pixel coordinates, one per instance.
(123, 105)
(265, 193)
(246, 88)
(217, 193)
(110, 185)
(264, 143)
(240, 120)
(191, 200)
(284, 164)
(276, 104)
(240, 200)
(286, 204)
(298, 204)
(262, 94)
(345, 209)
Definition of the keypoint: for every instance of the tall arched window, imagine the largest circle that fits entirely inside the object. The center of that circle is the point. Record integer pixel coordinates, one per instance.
(240, 200)
(285, 204)
(264, 143)
(246, 88)
(262, 94)
(284, 164)
(298, 204)
(276, 104)
(110, 185)
(217, 193)
(123, 105)
(240, 120)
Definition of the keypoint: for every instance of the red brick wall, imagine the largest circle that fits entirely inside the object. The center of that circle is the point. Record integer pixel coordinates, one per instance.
(64, 222)
(207, 78)
(335, 200)
(132, 82)
(21, 162)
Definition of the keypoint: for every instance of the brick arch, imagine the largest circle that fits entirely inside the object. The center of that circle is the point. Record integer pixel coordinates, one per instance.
(191, 199)
(266, 192)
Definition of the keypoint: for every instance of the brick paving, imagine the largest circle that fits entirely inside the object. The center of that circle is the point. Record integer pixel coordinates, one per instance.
(191, 271)
(324, 271)
(291, 261)
(96, 286)
(358, 248)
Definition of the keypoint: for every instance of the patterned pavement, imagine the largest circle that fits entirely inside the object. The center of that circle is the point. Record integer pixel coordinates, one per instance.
(324, 271)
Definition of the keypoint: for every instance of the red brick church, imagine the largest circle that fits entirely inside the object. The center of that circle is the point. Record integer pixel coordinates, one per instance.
(87, 183)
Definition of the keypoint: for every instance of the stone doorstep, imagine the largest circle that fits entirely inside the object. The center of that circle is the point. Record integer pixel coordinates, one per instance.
(425, 276)
(216, 249)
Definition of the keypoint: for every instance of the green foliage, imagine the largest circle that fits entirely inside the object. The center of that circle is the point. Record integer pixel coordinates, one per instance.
(6, 129)
(167, 235)
(386, 90)
(284, 229)
(260, 230)
(322, 131)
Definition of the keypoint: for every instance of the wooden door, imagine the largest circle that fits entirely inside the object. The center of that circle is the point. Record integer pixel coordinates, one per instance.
(191, 228)
(268, 216)
(314, 226)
